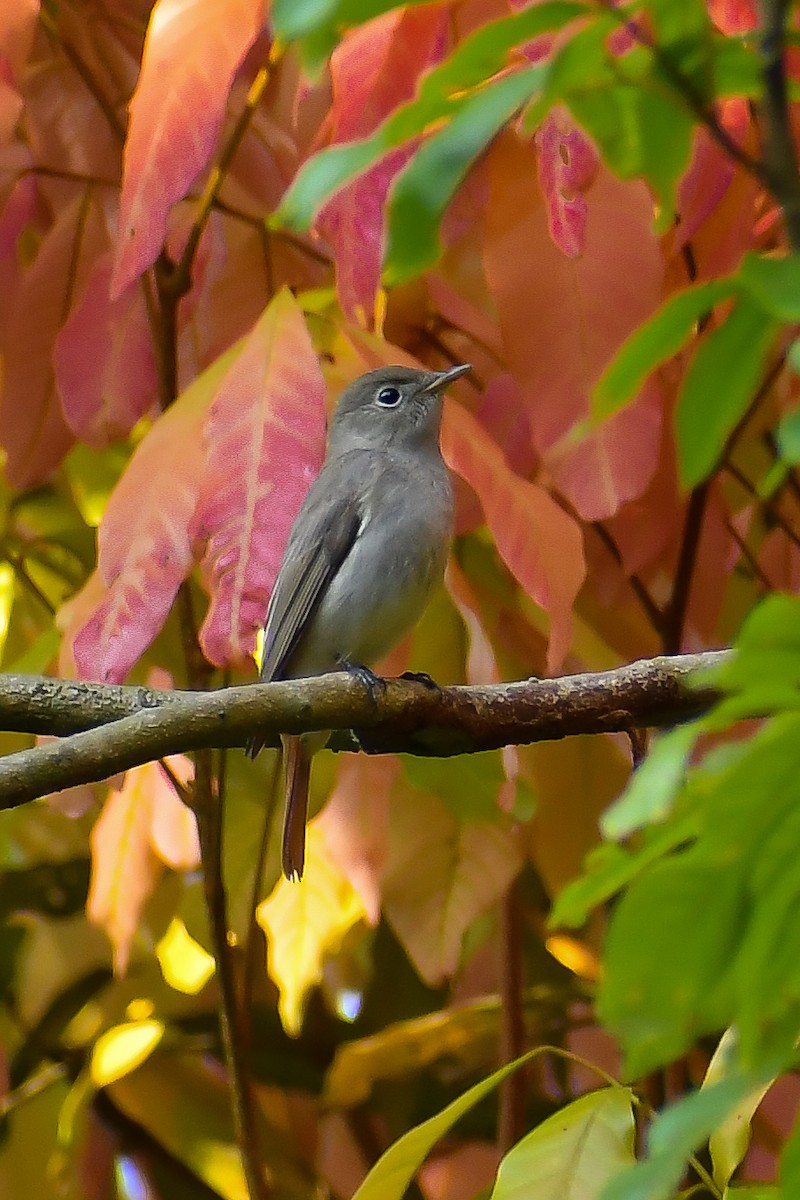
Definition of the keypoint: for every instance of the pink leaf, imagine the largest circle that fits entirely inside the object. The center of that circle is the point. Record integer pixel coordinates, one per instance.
(192, 52)
(567, 163)
(577, 312)
(373, 70)
(144, 546)
(105, 402)
(265, 439)
(32, 426)
(538, 542)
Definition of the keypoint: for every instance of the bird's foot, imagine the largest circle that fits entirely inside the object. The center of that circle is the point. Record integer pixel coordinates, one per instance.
(422, 677)
(374, 684)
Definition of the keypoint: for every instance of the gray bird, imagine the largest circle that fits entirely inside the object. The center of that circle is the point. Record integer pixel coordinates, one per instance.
(366, 550)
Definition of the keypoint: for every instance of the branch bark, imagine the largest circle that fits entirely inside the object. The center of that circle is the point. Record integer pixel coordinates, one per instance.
(112, 728)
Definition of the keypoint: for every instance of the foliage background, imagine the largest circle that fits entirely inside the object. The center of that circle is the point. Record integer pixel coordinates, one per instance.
(213, 215)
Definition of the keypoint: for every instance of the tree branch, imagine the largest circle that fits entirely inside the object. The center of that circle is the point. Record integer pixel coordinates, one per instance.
(123, 727)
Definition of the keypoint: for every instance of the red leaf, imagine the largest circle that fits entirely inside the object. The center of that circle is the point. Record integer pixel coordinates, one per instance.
(563, 318)
(144, 549)
(567, 163)
(265, 439)
(373, 70)
(104, 403)
(32, 426)
(192, 52)
(539, 543)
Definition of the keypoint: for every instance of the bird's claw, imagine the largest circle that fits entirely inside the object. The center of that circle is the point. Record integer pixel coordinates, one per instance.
(374, 684)
(422, 677)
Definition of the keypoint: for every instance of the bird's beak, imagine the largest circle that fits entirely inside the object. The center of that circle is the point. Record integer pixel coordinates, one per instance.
(442, 379)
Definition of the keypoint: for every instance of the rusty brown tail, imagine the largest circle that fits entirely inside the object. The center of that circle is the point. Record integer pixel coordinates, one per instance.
(297, 768)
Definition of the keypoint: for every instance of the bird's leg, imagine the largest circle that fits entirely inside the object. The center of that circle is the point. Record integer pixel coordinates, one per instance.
(372, 682)
(422, 677)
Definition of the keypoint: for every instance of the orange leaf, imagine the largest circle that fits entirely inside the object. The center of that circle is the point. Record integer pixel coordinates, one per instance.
(354, 823)
(265, 440)
(192, 52)
(539, 543)
(173, 827)
(563, 320)
(144, 545)
(440, 875)
(124, 868)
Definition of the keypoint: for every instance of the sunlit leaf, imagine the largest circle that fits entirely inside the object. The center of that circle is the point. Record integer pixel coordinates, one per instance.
(395, 1169)
(121, 1049)
(574, 1153)
(192, 51)
(186, 966)
(304, 923)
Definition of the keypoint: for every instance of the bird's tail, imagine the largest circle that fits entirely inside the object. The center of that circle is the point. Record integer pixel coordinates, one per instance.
(297, 769)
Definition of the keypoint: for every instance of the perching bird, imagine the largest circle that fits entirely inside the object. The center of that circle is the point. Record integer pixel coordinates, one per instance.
(366, 550)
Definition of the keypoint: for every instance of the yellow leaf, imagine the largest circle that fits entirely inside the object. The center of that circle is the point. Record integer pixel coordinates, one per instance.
(304, 923)
(185, 965)
(120, 1050)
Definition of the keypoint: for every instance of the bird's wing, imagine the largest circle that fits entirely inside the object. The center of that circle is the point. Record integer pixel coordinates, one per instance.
(319, 542)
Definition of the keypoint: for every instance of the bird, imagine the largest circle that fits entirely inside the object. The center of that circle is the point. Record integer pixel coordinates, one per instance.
(367, 548)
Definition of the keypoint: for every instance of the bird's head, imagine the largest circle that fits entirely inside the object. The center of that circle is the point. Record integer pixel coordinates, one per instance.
(392, 406)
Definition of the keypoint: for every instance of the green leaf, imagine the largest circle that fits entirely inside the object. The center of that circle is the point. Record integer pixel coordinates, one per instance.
(292, 19)
(609, 868)
(395, 1169)
(684, 36)
(441, 94)
(422, 191)
(788, 437)
(654, 342)
(720, 383)
(766, 654)
(650, 795)
(662, 978)
(774, 283)
(641, 133)
(790, 1167)
(676, 1133)
(729, 1142)
(467, 783)
(574, 1153)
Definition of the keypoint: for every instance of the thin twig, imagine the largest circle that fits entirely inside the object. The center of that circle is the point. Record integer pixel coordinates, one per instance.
(254, 935)
(651, 609)
(695, 103)
(513, 1090)
(780, 155)
(675, 614)
(210, 826)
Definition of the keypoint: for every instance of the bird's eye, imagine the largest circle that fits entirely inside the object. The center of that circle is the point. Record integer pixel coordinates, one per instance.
(388, 397)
